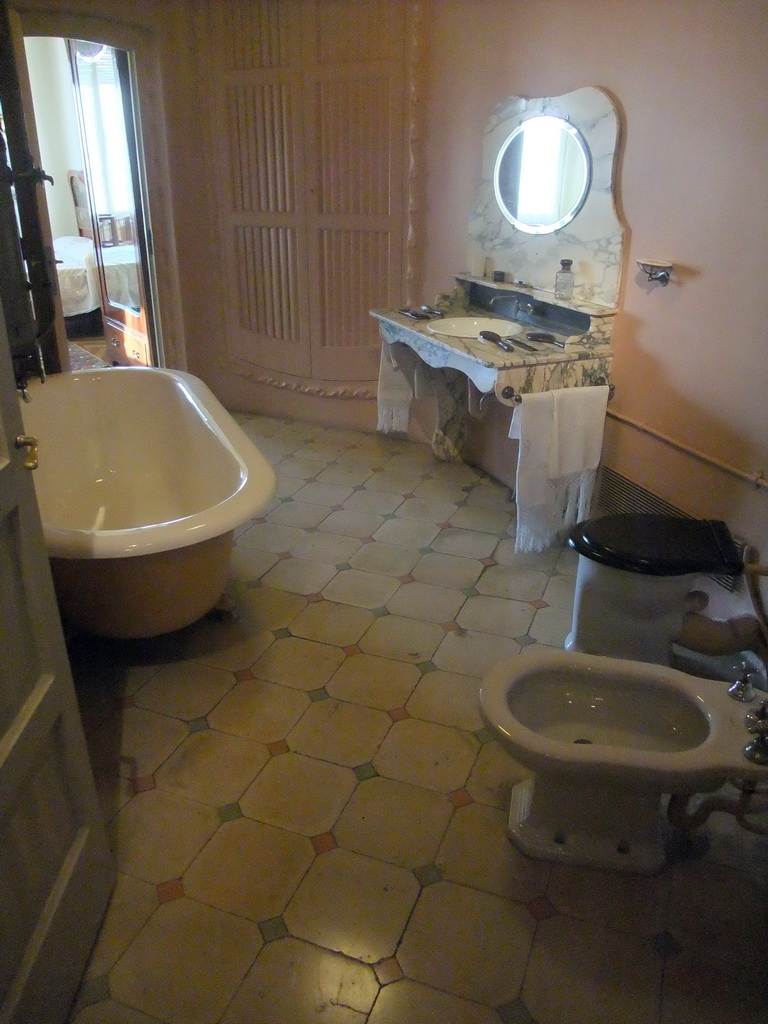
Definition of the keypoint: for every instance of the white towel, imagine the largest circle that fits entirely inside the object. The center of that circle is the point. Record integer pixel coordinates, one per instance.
(395, 390)
(560, 436)
(403, 376)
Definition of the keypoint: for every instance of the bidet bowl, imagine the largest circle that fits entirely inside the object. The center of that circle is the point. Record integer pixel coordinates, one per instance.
(579, 706)
(566, 714)
(470, 326)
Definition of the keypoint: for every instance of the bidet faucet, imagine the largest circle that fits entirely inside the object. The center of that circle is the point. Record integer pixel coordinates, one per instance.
(514, 302)
(757, 724)
(743, 689)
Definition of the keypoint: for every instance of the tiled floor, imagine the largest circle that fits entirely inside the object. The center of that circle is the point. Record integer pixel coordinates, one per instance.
(308, 815)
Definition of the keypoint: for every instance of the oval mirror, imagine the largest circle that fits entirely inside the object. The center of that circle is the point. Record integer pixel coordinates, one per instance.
(542, 174)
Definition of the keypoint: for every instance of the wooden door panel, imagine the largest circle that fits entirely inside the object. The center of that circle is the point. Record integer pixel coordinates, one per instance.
(356, 213)
(16, 626)
(267, 282)
(360, 31)
(352, 111)
(56, 870)
(355, 84)
(268, 296)
(39, 825)
(126, 346)
(351, 275)
(312, 180)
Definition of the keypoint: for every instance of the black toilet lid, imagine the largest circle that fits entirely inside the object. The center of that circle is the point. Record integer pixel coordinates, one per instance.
(657, 545)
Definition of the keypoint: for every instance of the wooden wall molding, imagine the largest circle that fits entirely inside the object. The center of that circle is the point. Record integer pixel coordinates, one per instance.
(300, 385)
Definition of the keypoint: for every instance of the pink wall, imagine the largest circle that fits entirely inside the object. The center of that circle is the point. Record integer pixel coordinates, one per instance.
(691, 81)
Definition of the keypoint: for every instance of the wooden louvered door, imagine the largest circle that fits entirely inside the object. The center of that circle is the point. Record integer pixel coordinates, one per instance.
(355, 101)
(313, 197)
(265, 237)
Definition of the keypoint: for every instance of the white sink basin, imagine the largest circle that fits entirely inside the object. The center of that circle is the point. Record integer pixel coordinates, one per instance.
(470, 327)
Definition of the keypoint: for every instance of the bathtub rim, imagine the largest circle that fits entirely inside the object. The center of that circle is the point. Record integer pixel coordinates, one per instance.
(256, 486)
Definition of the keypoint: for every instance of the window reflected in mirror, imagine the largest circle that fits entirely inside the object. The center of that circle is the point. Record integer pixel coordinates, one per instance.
(100, 94)
(542, 174)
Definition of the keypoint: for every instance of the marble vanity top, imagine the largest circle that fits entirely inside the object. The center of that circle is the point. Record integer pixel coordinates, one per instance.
(491, 368)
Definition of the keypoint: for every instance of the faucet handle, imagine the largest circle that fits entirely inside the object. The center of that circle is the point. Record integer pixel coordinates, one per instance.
(743, 689)
(514, 304)
(756, 720)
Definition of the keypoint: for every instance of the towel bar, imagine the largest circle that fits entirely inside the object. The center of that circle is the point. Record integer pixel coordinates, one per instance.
(517, 398)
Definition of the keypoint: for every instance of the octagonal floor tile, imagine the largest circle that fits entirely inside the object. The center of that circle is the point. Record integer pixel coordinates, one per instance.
(353, 904)
(360, 588)
(332, 730)
(331, 623)
(394, 821)
(493, 775)
(447, 698)
(299, 793)
(293, 982)
(407, 1002)
(186, 963)
(426, 754)
(186, 690)
(249, 868)
(583, 972)
(294, 661)
(472, 653)
(451, 920)
(213, 767)
(376, 682)
(426, 602)
(498, 615)
(477, 852)
(158, 833)
(395, 636)
(259, 710)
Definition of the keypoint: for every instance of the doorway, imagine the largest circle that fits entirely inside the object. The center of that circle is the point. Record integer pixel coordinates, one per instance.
(83, 100)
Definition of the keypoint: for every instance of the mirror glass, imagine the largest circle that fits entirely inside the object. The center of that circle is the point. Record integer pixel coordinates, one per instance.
(542, 174)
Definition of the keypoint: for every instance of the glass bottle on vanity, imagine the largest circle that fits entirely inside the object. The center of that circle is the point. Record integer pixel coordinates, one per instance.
(564, 280)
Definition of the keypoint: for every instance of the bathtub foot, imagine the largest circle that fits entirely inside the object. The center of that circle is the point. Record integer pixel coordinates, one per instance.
(225, 609)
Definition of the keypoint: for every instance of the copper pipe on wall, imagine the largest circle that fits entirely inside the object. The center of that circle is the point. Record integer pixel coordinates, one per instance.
(754, 478)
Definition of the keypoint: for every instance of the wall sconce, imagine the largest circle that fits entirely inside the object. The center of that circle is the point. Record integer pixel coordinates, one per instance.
(657, 270)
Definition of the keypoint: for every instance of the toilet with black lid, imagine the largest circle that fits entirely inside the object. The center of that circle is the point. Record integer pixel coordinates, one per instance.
(634, 573)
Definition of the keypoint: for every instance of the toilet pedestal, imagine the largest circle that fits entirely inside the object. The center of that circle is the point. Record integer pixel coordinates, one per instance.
(603, 826)
(625, 615)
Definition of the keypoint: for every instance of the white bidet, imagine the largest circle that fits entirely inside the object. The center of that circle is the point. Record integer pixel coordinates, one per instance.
(605, 738)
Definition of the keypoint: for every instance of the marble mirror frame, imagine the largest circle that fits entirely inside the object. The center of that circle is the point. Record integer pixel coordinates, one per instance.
(594, 239)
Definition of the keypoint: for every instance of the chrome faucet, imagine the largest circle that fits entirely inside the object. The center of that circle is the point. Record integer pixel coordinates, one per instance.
(512, 299)
(757, 724)
(743, 689)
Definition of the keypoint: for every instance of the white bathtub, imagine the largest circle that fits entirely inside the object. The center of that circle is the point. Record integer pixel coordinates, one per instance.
(143, 478)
